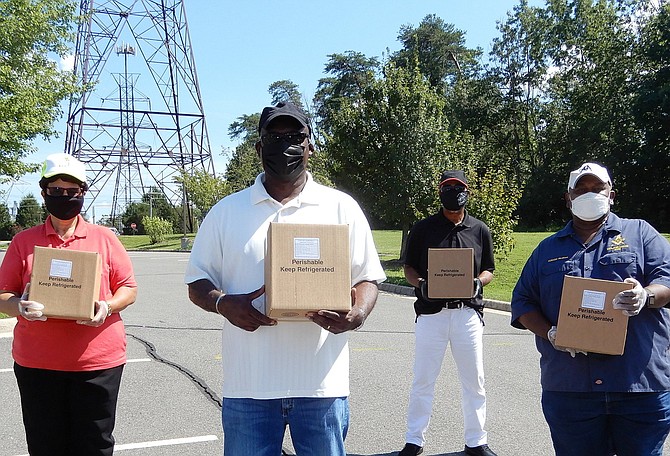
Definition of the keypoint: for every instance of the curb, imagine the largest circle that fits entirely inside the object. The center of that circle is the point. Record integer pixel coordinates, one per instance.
(409, 291)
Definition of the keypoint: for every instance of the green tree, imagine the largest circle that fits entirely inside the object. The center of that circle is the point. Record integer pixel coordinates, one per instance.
(31, 85)
(30, 213)
(512, 120)
(438, 48)
(5, 223)
(285, 90)
(651, 110)
(565, 73)
(154, 203)
(389, 146)
(135, 212)
(244, 164)
(204, 190)
(591, 46)
(349, 74)
(514, 85)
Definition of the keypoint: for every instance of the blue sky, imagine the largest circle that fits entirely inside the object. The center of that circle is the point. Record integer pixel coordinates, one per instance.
(241, 47)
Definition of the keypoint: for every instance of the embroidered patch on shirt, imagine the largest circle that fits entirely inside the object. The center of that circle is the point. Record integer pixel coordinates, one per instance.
(617, 244)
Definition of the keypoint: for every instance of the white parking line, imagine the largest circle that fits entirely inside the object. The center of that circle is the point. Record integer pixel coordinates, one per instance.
(137, 360)
(158, 443)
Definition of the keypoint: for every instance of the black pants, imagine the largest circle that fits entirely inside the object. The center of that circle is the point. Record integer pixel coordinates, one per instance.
(69, 413)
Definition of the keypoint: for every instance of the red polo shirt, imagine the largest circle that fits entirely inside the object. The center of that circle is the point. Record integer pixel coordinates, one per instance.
(64, 345)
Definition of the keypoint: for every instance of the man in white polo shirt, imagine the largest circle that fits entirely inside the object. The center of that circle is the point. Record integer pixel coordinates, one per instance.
(286, 373)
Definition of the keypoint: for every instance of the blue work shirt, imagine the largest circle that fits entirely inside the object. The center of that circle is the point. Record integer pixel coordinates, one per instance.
(623, 248)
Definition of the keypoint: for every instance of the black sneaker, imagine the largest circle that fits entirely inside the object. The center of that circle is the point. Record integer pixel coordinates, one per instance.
(481, 450)
(411, 450)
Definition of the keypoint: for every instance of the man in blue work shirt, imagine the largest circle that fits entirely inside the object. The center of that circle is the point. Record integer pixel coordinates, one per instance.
(601, 404)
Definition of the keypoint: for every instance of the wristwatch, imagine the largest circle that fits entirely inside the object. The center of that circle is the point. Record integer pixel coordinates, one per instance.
(651, 299)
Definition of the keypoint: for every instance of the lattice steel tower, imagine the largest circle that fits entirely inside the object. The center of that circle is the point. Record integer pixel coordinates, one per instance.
(136, 130)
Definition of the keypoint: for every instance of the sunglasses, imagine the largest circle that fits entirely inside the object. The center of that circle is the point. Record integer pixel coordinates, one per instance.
(60, 191)
(291, 138)
(452, 188)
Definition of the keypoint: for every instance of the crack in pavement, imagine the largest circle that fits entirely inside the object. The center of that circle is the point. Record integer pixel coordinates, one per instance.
(200, 384)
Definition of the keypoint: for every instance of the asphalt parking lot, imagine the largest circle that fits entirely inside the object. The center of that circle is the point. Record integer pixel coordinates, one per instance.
(170, 397)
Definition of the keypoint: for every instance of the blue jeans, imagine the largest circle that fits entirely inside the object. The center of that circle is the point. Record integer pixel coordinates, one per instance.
(602, 424)
(318, 425)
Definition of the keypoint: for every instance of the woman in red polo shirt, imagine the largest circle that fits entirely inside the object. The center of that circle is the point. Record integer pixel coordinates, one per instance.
(68, 372)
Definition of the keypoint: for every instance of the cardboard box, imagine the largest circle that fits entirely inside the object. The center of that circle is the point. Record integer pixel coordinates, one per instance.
(307, 268)
(451, 273)
(587, 321)
(67, 282)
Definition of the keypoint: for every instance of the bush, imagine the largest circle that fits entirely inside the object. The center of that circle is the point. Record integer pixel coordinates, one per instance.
(494, 201)
(157, 228)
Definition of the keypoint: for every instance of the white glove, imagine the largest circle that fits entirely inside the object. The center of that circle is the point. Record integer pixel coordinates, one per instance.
(631, 302)
(101, 311)
(551, 335)
(30, 310)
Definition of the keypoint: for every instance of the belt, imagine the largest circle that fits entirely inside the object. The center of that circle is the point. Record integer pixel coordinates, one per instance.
(454, 304)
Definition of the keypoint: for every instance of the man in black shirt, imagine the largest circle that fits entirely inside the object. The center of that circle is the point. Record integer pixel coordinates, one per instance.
(441, 322)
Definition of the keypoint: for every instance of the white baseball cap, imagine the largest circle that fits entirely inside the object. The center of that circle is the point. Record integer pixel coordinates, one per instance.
(593, 169)
(64, 164)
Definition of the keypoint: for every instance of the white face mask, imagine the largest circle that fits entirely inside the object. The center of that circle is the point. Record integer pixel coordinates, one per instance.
(590, 206)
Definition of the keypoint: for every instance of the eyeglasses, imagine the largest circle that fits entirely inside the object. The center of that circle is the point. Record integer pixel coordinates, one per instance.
(452, 188)
(60, 191)
(291, 138)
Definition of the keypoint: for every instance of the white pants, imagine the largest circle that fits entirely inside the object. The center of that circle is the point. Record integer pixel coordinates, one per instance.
(463, 329)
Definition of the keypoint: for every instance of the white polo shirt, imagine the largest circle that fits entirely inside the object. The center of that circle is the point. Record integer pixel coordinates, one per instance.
(291, 359)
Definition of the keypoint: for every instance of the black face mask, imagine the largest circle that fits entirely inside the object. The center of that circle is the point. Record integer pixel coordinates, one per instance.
(64, 207)
(283, 160)
(453, 200)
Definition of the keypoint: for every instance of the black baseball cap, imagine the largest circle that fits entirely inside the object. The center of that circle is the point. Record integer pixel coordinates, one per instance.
(283, 108)
(453, 175)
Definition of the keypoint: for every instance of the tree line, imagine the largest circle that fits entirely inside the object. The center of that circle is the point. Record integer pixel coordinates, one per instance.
(564, 83)
(152, 206)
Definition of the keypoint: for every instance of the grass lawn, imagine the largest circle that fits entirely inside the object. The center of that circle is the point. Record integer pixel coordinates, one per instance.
(388, 247)
(141, 242)
(507, 270)
(506, 274)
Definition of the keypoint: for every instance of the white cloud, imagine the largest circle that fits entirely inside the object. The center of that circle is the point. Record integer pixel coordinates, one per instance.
(67, 63)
